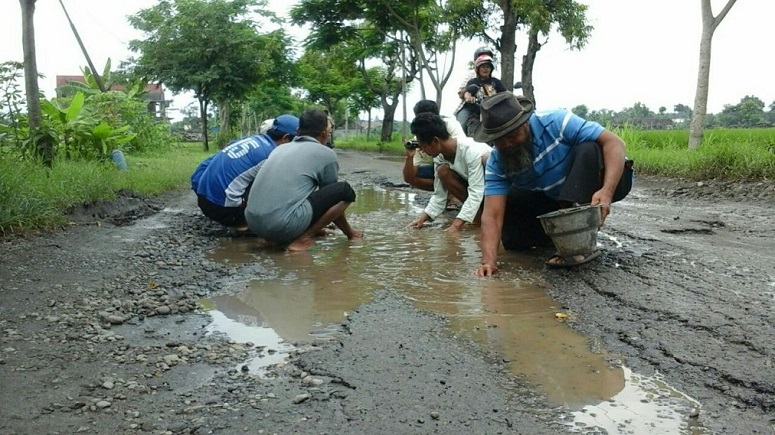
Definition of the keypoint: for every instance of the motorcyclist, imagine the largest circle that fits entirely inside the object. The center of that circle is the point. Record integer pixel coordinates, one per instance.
(468, 113)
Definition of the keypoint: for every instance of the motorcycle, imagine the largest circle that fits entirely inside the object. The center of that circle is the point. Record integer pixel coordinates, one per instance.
(470, 121)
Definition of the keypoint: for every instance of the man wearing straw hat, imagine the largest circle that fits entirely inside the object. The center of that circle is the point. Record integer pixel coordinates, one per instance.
(542, 162)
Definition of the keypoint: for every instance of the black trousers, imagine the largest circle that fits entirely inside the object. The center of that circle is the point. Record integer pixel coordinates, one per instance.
(329, 196)
(522, 230)
(227, 216)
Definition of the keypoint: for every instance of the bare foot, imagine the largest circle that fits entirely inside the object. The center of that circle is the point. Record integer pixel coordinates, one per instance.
(301, 245)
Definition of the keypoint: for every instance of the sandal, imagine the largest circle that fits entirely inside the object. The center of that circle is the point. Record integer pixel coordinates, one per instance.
(453, 206)
(570, 261)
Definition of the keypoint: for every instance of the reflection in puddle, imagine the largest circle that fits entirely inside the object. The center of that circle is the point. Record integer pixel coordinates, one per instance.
(512, 314)
(243, 324)
(645, 405)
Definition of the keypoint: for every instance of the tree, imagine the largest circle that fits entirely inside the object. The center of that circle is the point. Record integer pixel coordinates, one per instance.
(497, 21)
(328, 76)
(364, 99)
(749, 113)
(428, 36)
(709, 25)
(210, 47)
(581, 110)
(370, 35)
(44, 143)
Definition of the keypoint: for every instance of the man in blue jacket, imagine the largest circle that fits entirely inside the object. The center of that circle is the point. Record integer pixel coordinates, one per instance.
(222, 181)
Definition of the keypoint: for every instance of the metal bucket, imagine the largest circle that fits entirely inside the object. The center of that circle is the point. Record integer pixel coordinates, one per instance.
(573, 230)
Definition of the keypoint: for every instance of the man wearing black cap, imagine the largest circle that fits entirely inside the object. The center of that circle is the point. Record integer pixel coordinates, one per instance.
(222, 181)
(542, 162)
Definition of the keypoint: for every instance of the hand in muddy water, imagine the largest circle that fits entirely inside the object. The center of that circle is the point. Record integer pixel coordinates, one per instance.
(486, 270)
(456, 226)
(355, 234)
(419, 222)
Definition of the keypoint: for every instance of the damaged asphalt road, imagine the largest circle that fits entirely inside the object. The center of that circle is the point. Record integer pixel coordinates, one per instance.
(100, 329)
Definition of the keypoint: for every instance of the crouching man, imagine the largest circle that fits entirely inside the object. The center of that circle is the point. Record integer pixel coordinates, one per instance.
(459, 170)
(542, 162)
(297, 192)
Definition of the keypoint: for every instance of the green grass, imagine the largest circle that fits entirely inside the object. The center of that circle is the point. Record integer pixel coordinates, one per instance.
(726, 154)
(33, 197)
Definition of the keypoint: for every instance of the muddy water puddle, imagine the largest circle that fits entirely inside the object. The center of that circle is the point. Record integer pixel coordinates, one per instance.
(306, 294)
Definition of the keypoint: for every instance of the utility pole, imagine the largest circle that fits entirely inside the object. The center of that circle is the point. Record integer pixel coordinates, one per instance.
(83, 49)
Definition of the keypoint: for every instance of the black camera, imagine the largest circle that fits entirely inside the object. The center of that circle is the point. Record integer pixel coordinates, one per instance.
(411, 145)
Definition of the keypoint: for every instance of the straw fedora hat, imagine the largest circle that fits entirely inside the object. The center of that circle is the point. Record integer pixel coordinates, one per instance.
(501, 114)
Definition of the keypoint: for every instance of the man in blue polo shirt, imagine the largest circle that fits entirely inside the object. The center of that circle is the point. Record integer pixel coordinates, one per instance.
(541, 162)
(222, 181)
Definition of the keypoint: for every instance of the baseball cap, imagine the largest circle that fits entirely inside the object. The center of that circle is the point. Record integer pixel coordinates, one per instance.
(287, 124)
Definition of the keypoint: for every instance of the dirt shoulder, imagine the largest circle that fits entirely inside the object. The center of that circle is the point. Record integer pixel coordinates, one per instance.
(100, 331)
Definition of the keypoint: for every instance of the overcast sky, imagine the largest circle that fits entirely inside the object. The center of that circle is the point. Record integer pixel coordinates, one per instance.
(640, 51)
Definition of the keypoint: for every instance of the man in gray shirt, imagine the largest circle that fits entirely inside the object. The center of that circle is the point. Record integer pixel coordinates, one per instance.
(297, 192)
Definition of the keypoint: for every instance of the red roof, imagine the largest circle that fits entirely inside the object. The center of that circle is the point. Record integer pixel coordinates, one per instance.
(64, 80)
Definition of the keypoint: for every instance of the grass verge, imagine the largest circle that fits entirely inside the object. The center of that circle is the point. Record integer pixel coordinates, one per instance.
(33, 197)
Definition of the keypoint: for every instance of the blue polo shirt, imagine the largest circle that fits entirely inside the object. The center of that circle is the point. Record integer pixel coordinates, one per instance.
(555, 133)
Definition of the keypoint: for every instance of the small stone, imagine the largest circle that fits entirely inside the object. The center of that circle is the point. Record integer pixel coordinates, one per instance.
(103, 404)
(301, 398)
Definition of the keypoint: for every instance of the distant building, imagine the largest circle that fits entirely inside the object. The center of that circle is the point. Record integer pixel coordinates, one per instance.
(154, 94)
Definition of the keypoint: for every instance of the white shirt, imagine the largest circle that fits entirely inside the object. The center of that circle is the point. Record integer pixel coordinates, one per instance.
(467, 164)
(453, 128)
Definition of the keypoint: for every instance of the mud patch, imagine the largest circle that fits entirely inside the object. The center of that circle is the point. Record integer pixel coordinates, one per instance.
(126, 208)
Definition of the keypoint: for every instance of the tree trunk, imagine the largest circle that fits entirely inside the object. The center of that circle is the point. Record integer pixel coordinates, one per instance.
(368, 126)
(203, 116)
(709, 25)
(224, 124)
(528, 62)
(508, 43)
(389, 110)
(44, 143)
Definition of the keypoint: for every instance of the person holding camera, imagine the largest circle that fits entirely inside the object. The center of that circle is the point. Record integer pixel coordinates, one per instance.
(459, 170)
(418, 166)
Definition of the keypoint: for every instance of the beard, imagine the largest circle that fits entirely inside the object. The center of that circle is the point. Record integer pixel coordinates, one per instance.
(515, 159)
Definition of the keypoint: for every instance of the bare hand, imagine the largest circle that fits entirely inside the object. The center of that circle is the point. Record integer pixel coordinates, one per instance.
(486, 270)
(453, 229)
(417, 224)
(604, 200)
(355, 234)
(456, 226)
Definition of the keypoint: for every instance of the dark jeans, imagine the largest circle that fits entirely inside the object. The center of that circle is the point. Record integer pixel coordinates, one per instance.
(329, 196)
(468, 117)
(522, 230)
(227, 216)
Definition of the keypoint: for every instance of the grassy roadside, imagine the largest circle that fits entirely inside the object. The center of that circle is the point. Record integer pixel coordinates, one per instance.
(34, 198)
(726, 154)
